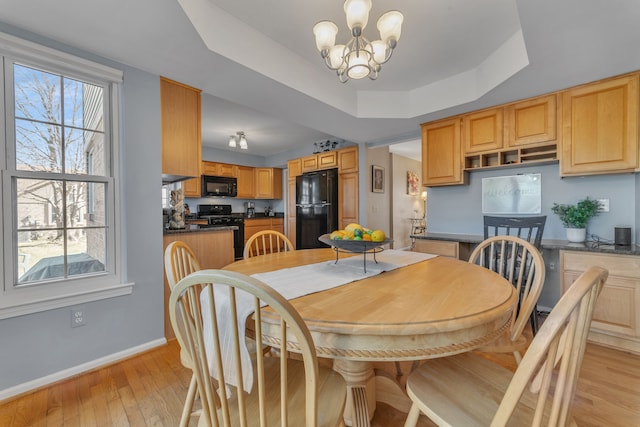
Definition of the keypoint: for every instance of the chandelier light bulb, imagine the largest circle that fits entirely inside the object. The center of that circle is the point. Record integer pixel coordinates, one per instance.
(232, 141)
(243, 142)
(390, 26)
(357, 12)
(325, 32)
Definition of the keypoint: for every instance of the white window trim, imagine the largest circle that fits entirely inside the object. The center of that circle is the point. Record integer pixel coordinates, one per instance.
(17, 301)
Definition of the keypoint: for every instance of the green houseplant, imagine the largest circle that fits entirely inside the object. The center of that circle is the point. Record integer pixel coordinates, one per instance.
(576, 217)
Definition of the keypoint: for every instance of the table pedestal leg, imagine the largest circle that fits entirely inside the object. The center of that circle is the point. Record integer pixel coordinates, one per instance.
(361, 391)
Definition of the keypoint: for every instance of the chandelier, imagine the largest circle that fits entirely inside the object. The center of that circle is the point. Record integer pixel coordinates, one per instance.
(239, 139)
(359, 58)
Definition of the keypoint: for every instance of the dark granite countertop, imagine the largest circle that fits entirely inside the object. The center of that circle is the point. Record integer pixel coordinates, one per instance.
(261, 215)
(588, 246)
(196, 229)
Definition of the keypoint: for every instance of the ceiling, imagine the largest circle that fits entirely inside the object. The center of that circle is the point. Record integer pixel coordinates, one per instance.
(260, 72)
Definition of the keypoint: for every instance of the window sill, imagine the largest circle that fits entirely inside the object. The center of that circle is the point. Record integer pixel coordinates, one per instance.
(8, 310)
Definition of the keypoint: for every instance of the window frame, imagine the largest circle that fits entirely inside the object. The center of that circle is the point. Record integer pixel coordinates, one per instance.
(56, 293)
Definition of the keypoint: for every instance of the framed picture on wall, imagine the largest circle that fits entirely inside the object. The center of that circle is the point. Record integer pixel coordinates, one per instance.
(413, 183)
(377, 179)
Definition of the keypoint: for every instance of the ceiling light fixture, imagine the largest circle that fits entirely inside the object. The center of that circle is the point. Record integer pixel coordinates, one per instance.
(238, 139)
(359, 58)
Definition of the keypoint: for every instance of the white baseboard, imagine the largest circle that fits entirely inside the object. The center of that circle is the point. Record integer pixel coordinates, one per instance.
(79, 369)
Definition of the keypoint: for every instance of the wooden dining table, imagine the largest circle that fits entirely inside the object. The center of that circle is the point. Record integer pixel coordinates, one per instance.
(433, 308)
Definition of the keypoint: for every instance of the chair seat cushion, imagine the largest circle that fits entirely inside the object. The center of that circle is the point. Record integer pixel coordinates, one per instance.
(465, 390)
(331, 397)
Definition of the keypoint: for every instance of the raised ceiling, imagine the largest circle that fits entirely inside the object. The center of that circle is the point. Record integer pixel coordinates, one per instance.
(260, 72)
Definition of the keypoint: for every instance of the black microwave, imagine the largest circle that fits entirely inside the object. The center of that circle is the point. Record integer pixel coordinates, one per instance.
(219, 186)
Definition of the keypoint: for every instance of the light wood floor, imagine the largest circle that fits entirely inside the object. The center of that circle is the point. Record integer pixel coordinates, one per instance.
(148, 390)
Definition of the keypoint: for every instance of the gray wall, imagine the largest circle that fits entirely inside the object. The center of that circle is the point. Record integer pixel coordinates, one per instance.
(458, 209)
(41, 344)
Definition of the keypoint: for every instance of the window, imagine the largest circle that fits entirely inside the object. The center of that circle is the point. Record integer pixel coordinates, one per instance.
(59, 179)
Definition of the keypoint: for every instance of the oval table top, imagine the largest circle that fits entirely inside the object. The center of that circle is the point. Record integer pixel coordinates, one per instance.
(433, 308)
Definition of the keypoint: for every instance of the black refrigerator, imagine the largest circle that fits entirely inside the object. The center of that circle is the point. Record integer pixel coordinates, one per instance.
(316, 207)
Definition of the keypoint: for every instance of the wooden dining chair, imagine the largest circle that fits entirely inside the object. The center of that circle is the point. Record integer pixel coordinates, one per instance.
(470, 390)
(267, 242)
(521, 264)
(179, 262)
(529, 228)
(286, 391)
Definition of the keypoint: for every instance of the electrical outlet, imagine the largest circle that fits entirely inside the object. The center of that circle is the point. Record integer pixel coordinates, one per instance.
(552, 266)
(78, 317)
(604, 205)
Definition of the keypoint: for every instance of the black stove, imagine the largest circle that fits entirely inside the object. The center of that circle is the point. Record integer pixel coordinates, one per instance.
(221, 216)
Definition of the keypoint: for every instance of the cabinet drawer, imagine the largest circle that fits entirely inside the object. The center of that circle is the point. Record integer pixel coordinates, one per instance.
(618, 265)
(438, 247)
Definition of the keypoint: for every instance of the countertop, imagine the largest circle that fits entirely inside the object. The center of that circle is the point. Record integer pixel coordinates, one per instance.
(261, 215)
(588, 246)
(196, 229)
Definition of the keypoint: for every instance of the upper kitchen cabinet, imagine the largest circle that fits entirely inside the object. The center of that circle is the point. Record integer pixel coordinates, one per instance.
(532, 122)
(246, 181)
(483, 130)
(268, 183)
(600, 127)
(348, 159)
(219, 169)
(181, 130)
(442, 153)
(295, 167)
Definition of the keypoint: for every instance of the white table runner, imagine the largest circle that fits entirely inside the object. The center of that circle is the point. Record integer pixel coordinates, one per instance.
(293, 283)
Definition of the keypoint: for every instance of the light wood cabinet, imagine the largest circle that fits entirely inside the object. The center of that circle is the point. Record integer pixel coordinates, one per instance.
(192, 187)
(295, 167)
(600, 127)
(309, 163)
(482, 130)
(328, 160)
(214, 249)
(348, 159)
(268, 183)
(219, 169)
(616, 318)
(246, 181)
(291, 210)
(442, 153)
(181, 130)
(456, 250)
(531, 122)
(347, 199)
(254, 225)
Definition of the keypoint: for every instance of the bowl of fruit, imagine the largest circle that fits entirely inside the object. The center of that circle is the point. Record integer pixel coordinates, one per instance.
(356, 238)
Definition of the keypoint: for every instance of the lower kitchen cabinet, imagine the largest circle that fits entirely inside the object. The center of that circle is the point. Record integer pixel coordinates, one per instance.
(254, 225)
(615, 320)
(213, 248)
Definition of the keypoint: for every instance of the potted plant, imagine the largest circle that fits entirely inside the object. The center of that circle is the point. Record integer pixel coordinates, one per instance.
(575, 217)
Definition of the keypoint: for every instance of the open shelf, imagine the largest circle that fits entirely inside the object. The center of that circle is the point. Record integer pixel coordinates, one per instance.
(511, 157)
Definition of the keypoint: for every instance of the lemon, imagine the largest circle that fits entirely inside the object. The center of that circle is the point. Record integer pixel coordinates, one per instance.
(378, 236)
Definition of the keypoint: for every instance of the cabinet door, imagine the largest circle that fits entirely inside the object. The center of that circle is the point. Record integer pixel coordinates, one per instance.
(192, 187)
(209, 168)
(246, 182)
(441, 153)
(309, 163)
(483, 130)
(295, 167)
(348, 160)
(225, 169)
(600, 127)
(328, 160)
(268, 183)
(181, 138)
(348, 199)
(291, 210)
(531, 122)
(438, 247)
